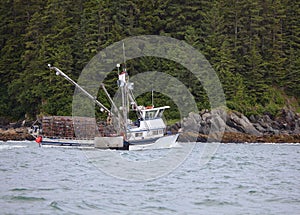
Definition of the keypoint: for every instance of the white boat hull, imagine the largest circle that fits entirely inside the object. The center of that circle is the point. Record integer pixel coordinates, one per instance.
(161, 143)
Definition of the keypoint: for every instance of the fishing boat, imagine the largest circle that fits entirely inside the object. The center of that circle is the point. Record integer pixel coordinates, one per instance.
(147, 131)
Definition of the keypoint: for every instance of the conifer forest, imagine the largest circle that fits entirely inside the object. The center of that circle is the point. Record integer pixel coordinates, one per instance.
(253, 45)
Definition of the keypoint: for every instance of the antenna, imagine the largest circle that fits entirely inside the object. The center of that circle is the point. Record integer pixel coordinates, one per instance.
(118, 66)
(152, 96)
(124, 58)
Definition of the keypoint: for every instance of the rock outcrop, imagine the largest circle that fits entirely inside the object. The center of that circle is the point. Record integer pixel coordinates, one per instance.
(232, 126)
(18, 134)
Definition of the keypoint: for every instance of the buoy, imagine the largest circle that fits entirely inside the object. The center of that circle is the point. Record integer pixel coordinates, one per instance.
(39, 139)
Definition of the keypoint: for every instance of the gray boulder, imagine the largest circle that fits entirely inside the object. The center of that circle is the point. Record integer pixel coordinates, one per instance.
(241, 123)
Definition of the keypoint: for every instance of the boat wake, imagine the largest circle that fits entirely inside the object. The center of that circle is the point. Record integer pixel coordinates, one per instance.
(8, 147)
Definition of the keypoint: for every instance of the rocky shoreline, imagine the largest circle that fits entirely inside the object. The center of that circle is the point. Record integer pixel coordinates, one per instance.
(229, 137)
(15, 134)
(217, 125)
(234, 127)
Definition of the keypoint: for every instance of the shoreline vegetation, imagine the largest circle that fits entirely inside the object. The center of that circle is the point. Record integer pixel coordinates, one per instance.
(284, 128)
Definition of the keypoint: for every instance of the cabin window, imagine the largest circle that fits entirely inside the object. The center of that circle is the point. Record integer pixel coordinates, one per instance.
(150, 114)
(154, 132)
(138, 134)
(160, 113)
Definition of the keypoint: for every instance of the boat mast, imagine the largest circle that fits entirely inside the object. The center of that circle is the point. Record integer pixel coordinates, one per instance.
(124, 95)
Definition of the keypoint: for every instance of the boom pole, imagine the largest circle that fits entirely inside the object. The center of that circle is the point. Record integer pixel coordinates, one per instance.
(59, 72)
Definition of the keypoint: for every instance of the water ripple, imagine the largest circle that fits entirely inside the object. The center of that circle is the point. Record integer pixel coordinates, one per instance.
(240, 179)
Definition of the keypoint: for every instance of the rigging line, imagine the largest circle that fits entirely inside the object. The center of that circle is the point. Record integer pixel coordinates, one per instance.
(132, 97)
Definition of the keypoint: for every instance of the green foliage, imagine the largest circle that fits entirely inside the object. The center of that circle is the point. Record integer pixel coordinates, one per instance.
(253, 46)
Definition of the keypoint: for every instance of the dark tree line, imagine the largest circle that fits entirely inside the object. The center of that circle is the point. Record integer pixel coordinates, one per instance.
(252, 44)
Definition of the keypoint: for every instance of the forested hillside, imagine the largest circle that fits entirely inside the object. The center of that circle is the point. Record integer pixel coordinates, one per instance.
(254, 45)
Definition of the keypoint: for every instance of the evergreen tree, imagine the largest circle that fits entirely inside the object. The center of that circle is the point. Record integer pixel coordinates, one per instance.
(18, 15)
(253, 46)
(291, 29)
